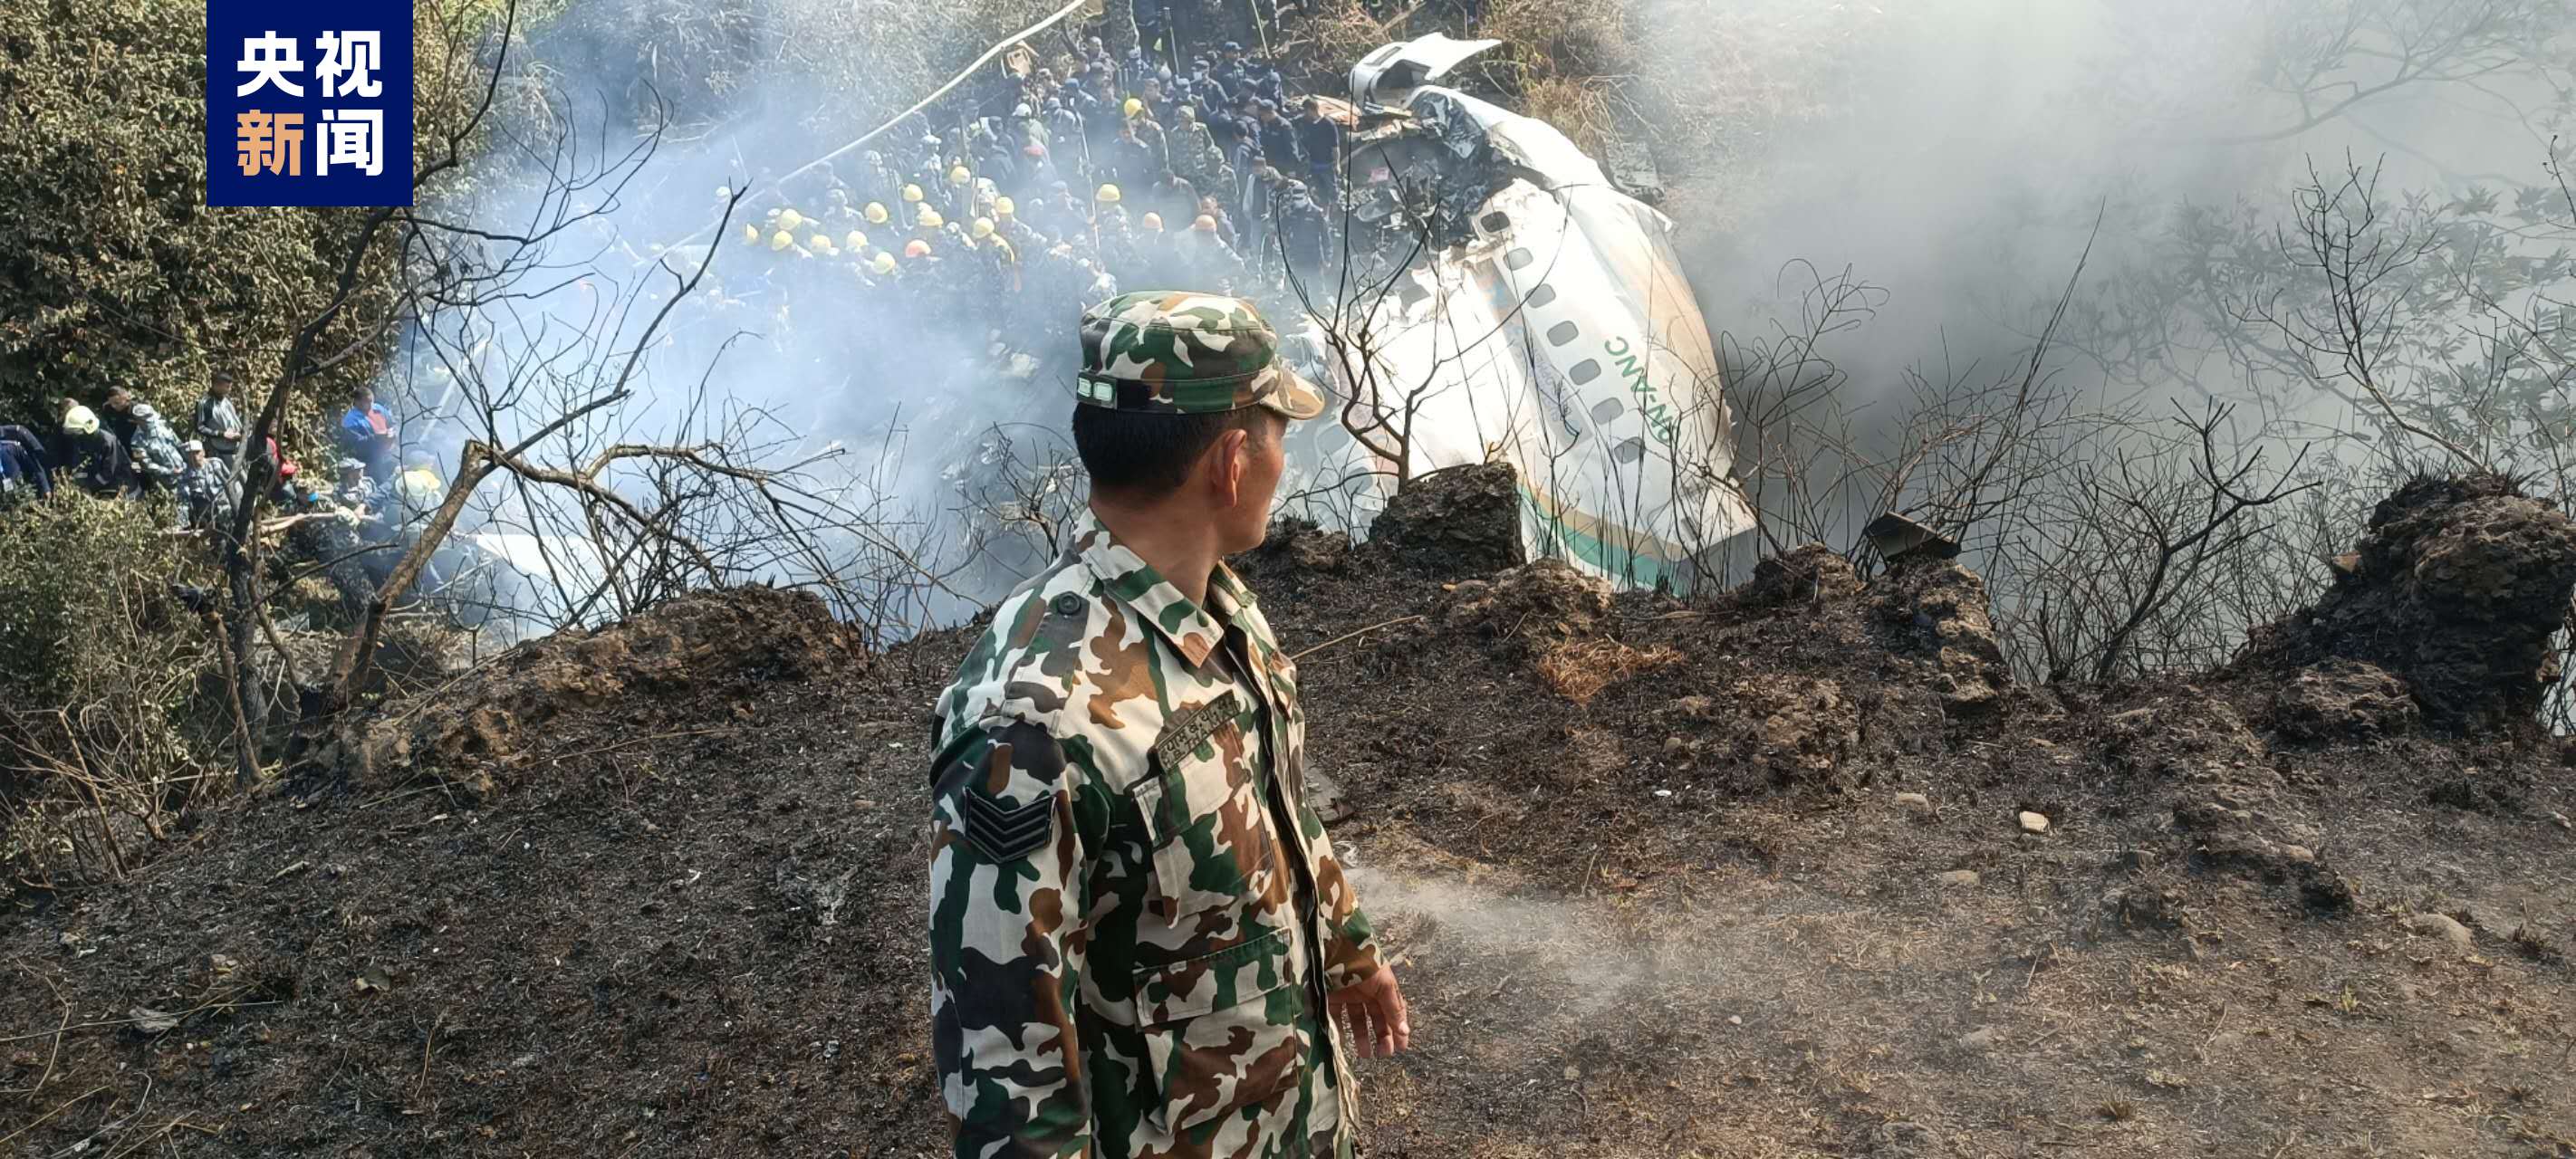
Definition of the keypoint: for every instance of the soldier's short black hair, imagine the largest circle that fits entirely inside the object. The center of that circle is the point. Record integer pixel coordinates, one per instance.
(1145, 454)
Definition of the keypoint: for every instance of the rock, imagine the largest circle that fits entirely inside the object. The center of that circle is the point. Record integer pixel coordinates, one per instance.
(2182, 734)
(1917, 802)
(1299, 545)
(1543, 602)
(2142, 906)
(2443, 926)
(1936, 611)
(2460, 584)
(1797, 730)
(1904, 1141)
(1458, 521)
(2343, 700)
(2560, 819)
(2300, 854)
(2033, 822)
(1980, 1040)
(1957, 877)
(1809, 574)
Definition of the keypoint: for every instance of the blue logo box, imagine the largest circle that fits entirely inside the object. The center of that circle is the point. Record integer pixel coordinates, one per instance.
(308, 103)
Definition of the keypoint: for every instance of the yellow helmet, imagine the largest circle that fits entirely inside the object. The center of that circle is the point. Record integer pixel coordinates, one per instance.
(1108, 195)
(912, 193)
(929, 218)
(820, 241)
(1152, 221)
(781, 240)
(1002, 207)
(790, 219)
(884, 263)
(1134, 106)
(80, 421)
(750, 234)
(854, 241)
(957, 175)
(875, 213)
(983, 227)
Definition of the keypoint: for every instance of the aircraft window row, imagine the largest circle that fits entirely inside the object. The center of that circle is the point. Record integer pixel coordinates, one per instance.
(1562, 333)
(1629, 450)
(1497, 222)
(1607, 409)
(1520, 258)
(1584, 371)
(1542, 296)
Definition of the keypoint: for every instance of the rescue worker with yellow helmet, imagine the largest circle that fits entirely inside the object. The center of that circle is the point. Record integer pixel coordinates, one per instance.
(875, 213)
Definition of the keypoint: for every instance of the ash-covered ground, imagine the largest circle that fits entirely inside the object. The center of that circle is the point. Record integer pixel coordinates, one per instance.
(1793, 871)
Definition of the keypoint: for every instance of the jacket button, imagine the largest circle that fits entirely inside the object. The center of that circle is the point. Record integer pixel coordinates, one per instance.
(1068, 604)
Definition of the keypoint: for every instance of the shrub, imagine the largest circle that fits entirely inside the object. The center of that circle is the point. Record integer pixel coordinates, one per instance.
(109, 696)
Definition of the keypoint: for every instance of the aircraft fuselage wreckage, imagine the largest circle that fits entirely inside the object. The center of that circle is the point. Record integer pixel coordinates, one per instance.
(1541, 321)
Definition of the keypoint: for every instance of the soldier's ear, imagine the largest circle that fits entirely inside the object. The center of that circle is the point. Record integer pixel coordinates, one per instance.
(1229, 458)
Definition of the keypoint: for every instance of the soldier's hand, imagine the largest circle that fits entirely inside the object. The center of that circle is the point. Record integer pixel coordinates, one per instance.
(1373, 1013)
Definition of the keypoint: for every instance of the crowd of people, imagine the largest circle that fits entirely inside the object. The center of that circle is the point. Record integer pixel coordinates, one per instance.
(1060, 186)
(124, 449)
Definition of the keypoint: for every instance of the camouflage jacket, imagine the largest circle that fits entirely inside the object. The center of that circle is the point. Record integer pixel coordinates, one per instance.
(1134, 914)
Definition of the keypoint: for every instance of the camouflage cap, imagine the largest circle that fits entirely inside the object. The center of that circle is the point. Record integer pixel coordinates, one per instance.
(1177, 352)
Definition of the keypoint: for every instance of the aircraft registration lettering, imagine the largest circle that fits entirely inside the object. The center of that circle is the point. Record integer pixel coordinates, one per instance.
(1650, 404)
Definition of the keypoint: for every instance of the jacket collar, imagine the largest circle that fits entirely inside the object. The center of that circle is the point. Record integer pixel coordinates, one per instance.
(1133, 582)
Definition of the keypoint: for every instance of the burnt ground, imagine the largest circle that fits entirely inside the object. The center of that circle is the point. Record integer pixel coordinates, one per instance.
(1647, 867)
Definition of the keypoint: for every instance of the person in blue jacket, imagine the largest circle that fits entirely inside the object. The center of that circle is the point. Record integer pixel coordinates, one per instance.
(367, 434)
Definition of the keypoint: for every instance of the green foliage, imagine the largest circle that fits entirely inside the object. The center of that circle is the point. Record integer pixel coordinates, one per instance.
(90, 630)
(81, 580)
(113, 271)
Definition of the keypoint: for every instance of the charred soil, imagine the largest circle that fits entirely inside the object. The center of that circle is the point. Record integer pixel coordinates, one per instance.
(1796, 871)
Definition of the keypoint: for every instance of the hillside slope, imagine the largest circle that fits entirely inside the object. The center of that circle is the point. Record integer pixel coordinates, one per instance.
(1741, 878)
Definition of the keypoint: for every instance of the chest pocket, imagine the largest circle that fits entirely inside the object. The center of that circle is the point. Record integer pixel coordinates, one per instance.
(1212, 844)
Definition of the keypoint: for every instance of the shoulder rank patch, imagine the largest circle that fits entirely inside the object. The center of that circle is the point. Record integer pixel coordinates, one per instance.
(1188, 727)
(1002, 833)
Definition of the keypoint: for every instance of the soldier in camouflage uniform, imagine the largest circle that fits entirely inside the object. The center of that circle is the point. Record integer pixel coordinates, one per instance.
(1141, 942)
